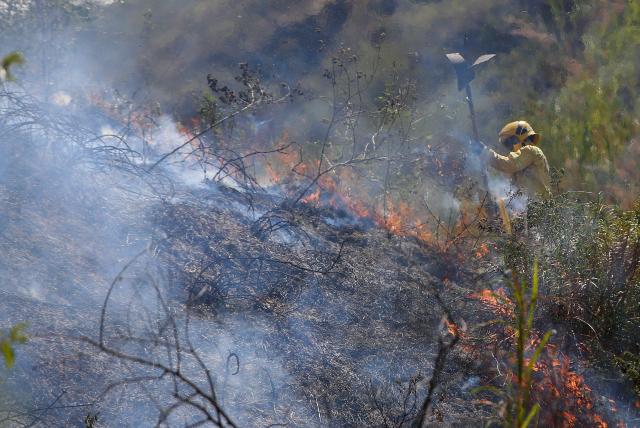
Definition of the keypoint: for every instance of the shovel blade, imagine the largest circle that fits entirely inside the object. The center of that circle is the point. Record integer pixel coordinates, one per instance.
(483, 58)
(455, 58)
(464, 73)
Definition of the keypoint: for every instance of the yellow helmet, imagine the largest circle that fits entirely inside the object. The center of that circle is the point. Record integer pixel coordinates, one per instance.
(521, 131)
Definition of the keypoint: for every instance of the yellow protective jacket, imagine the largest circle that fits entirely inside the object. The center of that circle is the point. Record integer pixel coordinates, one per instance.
(528, 168)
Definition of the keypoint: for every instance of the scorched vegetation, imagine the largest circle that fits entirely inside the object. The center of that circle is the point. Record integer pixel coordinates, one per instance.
(270, 213)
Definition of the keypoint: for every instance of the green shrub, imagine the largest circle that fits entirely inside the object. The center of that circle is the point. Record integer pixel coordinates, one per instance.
(589, 120)
(590, 253)
(629, 364)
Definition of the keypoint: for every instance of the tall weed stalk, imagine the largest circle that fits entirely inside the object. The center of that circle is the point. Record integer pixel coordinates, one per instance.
(517, 407)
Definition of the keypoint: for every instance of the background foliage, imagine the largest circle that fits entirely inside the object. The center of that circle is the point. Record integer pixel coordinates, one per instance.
(569, 67)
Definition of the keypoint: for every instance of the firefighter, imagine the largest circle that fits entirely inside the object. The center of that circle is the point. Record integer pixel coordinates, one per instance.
(526, 164)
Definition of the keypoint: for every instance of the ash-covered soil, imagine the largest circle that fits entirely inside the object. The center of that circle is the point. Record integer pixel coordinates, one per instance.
(313, 318)
(348, 309)
(304, 316)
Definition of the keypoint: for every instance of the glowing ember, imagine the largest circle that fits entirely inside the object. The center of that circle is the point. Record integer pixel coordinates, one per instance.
(357, 207)
(452, 328)
(497, 301)
(564, 395)
(393, 218)
(312, 198)
(482, 251)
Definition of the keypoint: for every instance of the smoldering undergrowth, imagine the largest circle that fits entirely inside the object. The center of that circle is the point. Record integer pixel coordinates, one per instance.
(276, 275)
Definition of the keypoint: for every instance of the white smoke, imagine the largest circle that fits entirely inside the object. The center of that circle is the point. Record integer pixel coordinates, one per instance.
(501, 188)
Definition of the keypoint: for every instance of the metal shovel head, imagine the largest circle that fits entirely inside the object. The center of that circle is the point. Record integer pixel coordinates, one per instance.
(464, 73)
(455, 58)
(483, 58)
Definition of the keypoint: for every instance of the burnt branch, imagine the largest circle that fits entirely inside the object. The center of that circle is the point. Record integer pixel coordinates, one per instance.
(249, 98)
(444, 348)
(171, 335)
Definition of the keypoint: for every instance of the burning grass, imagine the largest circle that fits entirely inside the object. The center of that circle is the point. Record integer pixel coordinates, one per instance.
(323, 315)
(346, 189)
(539, 383)
(329, 305)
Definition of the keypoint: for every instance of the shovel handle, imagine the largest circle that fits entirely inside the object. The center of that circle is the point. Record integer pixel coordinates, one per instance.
(472, 113)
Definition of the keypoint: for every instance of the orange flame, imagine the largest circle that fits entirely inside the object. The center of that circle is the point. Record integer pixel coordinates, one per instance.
(452, 328)
(357, 207)
(482, 251)
(497, 301)
(564, 394)
(312, 197)
(393, 218)
(140, 121)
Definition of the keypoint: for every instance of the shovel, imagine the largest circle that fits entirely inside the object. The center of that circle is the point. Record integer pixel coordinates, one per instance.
(465, 74)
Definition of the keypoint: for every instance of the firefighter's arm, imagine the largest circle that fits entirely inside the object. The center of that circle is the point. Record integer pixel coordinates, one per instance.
(512, 163)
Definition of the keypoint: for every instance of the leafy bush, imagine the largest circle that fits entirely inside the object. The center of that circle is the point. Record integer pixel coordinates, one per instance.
(590, 253)
(589, 119)
(629, 364)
